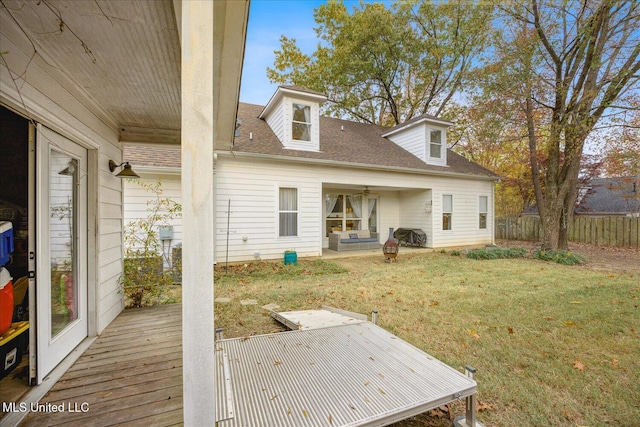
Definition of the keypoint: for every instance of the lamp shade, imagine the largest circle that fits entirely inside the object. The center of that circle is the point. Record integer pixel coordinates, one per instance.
(126, 171)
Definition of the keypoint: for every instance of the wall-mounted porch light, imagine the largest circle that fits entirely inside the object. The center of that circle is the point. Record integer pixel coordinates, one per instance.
(126, 171)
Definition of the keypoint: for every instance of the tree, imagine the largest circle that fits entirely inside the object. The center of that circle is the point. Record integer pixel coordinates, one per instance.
(490, 133)
(385, 66)
(622, 146)
(580, 66)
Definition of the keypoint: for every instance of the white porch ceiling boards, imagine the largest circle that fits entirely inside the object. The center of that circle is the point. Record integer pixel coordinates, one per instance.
(121, 56)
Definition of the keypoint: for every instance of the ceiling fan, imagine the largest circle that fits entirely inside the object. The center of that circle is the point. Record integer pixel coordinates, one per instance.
(364, 192)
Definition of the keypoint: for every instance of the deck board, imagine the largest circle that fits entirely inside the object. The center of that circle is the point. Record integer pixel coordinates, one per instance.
(131, 375)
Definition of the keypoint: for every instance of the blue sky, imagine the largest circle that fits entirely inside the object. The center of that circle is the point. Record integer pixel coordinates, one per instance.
(268, 20)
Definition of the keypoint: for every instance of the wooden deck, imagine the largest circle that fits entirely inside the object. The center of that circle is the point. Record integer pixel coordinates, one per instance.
(131, 375)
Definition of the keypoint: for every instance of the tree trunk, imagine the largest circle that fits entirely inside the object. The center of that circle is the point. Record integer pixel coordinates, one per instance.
(550, 218)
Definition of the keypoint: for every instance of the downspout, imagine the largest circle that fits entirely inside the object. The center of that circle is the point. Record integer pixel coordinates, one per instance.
(493, 213)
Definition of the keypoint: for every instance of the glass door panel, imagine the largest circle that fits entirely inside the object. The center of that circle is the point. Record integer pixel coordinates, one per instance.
(63, 173)
(373, 214)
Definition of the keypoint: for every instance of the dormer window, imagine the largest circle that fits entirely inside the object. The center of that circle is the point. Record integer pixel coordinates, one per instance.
(301, 123)
(293, 114)
(424, 136)
(435, 145)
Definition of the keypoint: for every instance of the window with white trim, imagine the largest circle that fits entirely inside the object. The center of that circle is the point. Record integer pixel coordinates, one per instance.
(435, 143)
(447, 211)
(483, 209)
(301, 123)
(288, 212)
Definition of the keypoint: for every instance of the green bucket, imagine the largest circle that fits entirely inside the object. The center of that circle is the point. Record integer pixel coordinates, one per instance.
(290, 258)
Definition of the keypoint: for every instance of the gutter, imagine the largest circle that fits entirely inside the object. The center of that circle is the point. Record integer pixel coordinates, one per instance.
(357, 165)
(160, 170)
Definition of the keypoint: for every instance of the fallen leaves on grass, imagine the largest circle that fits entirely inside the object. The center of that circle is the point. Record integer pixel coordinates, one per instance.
(439, 413)
(579, 365)
(484, 406)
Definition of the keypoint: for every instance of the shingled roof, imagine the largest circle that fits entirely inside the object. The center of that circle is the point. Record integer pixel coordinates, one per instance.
(344, 142)
(341, 142)
(610, 196)
(154, 156)
(605, 196)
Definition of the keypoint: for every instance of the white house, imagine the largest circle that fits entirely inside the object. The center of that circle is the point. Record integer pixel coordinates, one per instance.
(293, 177)
(78, 81)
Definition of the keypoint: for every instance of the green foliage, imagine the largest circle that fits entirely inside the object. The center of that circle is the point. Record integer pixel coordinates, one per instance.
(560, 256)
(267, 269)
(456, 253)
(386, 65)
(486, 253)
(144, 279)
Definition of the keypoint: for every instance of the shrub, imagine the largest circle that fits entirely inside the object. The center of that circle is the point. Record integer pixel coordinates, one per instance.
(496, 253)
(144, 279)
(560, 256)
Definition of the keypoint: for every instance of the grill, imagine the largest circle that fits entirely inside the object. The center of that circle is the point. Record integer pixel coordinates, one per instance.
(411, 237)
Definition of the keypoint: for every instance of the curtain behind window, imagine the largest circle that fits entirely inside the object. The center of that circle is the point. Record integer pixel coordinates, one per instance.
(288, 212)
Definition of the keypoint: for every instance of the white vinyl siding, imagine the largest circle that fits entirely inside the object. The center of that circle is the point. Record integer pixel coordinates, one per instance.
(252, 186)
(137, 204)
(426, 142)
(465, 229)
(281, 121)
(412, 140)
(414, 210)
(276, 121)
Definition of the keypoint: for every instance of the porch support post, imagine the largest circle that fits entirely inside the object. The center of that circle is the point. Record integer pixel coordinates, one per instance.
(198, 128)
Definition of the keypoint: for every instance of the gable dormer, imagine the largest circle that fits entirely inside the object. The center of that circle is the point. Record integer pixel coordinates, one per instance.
(424, 136)
(293, 114)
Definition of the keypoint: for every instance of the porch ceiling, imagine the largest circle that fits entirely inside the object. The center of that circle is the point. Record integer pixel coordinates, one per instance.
(125, 56)
(122, 58)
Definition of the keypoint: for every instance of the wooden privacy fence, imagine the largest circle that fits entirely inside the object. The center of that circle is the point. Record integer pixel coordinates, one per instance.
(604, 231)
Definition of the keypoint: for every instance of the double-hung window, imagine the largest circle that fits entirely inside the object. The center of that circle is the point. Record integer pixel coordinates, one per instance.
(483, 203)
(435, 145)
(288, 212)
(301, 123)
(447, 211)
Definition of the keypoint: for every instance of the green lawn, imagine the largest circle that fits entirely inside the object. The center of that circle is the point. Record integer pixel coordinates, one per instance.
(554, 345)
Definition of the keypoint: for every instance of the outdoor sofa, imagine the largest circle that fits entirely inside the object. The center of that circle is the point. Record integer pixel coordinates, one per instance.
(353, 240)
